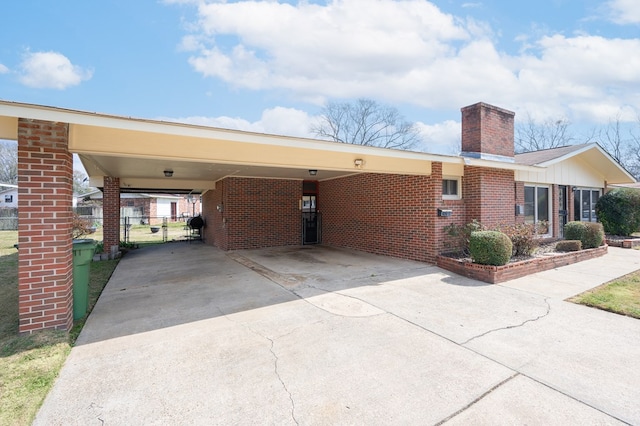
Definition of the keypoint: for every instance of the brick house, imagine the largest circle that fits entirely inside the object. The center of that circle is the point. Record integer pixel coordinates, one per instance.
(265, 190)
(147, 208)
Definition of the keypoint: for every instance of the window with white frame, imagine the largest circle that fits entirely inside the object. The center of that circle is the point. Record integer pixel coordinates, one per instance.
(451, 188)
(584, 204)
(537, 204)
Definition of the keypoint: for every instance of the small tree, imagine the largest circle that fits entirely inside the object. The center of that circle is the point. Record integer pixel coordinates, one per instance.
(619, 211)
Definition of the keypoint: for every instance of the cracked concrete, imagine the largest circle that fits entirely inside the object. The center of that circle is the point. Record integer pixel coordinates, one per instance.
(318, 335)
(509, 327)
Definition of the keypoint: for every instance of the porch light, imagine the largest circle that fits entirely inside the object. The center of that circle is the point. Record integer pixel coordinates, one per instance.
(358, 162)
(313, 172)
(168, 173)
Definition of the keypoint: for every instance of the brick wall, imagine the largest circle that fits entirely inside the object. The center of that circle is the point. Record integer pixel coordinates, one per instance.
(394, 215)
(489, 195)
(111, 212)
(487, 129)
(45, 256)
(256, 213)
(519, 200)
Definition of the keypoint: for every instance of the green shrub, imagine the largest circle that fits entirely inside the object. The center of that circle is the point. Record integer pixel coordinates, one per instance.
(593, 235)
(590, 234)
(619, 211)
(569, 245)
(490, 248)
(522, 236)
(574, 230)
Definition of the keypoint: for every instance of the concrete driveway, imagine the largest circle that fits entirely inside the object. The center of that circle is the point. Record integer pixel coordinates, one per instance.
(188, 334)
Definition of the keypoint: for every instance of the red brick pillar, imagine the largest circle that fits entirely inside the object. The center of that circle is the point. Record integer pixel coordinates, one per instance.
(45, 254)
(111, 213)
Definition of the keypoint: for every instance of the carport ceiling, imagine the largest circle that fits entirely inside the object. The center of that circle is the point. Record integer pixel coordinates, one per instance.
(148, 174)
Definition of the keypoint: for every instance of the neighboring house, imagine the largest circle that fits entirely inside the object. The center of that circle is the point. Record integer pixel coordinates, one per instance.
(142, 208)
(8, 196)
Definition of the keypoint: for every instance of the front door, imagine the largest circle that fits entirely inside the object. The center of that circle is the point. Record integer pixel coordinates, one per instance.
(310, 213)
(174, 212)
(563, 212)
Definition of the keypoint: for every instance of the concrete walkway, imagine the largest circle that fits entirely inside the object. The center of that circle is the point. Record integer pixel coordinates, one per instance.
(188, 334)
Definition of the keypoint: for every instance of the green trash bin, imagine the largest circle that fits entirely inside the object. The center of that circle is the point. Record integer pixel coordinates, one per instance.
(83, 250)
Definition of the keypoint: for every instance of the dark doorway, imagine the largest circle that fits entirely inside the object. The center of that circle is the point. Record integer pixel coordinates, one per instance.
(311, 221)
(174, 212)
(563, 209)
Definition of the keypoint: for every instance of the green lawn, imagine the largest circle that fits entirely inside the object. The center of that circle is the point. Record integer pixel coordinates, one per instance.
(621, 296)
(142, 235)
(29, 364)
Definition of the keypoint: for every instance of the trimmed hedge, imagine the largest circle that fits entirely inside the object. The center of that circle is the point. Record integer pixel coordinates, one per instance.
(490, 248)
(590, 234)
(619, 211)
(569, 245)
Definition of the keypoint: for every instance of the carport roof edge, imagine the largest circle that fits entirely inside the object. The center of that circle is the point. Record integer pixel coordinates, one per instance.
(10, 111)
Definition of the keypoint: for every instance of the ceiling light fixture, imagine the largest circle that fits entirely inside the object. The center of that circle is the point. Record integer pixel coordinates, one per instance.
(313, 172)
(168, 173)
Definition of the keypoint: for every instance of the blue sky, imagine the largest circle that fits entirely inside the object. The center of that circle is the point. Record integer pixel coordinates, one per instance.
(270, 66)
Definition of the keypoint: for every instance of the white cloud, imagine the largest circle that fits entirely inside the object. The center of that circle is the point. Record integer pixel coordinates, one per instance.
(51, 70)
(410, 52)
(625, 11)
(275, 121)
(3, 69)
(441, 138)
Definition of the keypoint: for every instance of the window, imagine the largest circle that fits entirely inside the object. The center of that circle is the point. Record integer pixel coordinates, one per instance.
(536, 204)
(584, 204)
(451, 188)
(8, 198)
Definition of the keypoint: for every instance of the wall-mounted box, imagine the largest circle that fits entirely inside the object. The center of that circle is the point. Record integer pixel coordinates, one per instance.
(519, 209)
(445, 212)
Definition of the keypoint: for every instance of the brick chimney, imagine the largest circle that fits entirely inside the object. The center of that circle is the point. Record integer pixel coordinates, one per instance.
(487, 132)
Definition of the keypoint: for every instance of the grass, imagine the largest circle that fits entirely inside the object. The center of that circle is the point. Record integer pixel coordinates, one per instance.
(621, 296)
(29, 364)
(142, 235)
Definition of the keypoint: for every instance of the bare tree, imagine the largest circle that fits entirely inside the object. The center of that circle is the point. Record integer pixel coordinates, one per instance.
(365, 122)
(533, 136)
(80, 183)
(8, 162)
(632, 152)
(612, 140)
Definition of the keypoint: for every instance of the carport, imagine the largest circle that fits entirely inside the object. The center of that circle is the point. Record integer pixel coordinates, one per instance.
(127, 154)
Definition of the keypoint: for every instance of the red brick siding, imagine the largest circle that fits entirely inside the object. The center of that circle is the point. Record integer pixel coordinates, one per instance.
(519, 200)
(394, 215)
(487, 129)
(111, 212)
(555, 210)
(256, 213)
(489, 195)
(45, 257)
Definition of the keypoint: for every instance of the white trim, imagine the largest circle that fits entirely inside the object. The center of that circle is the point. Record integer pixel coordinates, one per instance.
(83, 118)
(550, 196)
(457, 196)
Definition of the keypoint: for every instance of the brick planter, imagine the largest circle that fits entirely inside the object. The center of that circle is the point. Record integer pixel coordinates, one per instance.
(499, 274)
(626, 243)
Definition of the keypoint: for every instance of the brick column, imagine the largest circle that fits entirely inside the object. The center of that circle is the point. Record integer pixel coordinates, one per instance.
(45, 255)
(111, 212)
